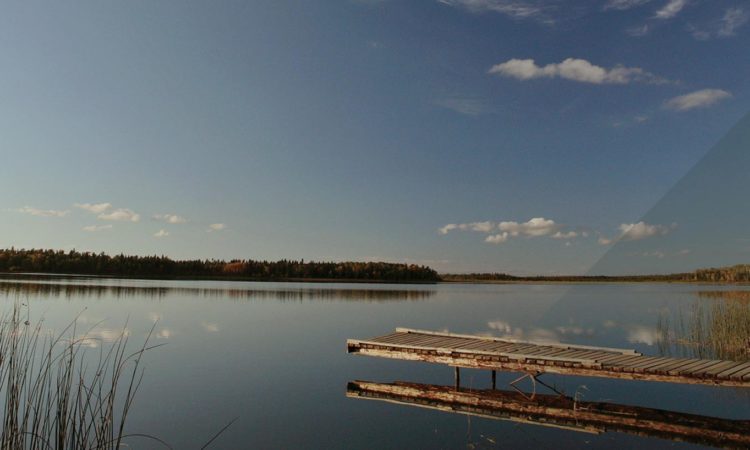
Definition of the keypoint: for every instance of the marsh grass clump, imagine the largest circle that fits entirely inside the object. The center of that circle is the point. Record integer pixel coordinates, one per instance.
(59, 393)
(717, 325)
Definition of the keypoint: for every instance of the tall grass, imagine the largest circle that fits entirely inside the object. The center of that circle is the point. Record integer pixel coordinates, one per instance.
(56, 397)
(717, 325)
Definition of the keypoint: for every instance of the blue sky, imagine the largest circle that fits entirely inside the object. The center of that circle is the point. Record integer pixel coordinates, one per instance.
(524, 136)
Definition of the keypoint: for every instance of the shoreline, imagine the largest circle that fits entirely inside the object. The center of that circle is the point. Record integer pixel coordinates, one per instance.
(541, 281)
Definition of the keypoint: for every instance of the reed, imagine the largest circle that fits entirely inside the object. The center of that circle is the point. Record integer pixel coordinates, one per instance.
(716, 325)
(55, 396)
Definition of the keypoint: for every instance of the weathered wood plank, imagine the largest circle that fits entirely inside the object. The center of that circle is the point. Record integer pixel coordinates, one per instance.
(613, 360)
(677, 369)
(667, 366)
(623, 364)
(393, 337)
(516, 365)
(740, 375)
(469, 336)
(727, 373)
(487, 346)
(657, 362)
(482, 344)
(691, 368)
(426, 341)
(406, 338)
(499, 354)
(551, 351)
(713, 371)
(645, 361)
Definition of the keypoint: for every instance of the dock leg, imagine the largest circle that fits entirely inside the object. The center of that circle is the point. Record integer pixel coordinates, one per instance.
(494, 379)
(457, 377)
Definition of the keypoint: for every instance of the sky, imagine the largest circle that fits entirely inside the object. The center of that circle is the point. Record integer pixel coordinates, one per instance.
(517, 136)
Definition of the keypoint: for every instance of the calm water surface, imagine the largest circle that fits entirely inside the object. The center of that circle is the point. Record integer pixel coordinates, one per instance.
(273, 355)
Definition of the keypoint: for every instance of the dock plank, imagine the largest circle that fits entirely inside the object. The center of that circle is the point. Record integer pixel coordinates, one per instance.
(486, 352)
(728, 373)
(713, 371)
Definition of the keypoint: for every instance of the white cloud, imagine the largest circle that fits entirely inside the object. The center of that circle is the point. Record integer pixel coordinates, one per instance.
(96, 208)
(576, 331)
(210, 327)
(500, 232)
(604, 241)
(497, 238)
(698, 99)
(534, 334)
(517, 9)
(448, 228)
(733, 19)
(161, 233)
(120, 214)
(95, 228)
(639, 31)
(501, 326)
(164, 333)
(642, 230)
(42, 212)
(482, 227)
(642, 335)
(622, 5)
(465, 106)
(538, 226)
(671, 9)
(216, 227)
(727, 26)
(170, 218)
(574, 69)
(94, 338)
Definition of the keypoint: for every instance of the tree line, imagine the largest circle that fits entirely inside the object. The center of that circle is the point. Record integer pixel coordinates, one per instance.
(734, 274)
(89, 263)
(739, 273)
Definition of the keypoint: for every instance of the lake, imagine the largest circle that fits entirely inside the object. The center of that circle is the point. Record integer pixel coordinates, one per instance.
(273, 355)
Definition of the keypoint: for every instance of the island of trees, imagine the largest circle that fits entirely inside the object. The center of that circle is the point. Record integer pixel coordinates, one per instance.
(87, 263)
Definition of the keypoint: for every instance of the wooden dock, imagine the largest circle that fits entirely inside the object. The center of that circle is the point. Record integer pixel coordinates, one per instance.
(533, 358)
(561, 412)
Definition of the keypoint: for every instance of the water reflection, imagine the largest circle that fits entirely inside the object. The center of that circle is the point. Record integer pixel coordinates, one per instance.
(95, 290)
(715, 326)
(561, 412)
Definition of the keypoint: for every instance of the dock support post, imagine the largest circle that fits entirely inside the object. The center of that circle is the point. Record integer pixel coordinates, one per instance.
(457, 373)
(494, 379)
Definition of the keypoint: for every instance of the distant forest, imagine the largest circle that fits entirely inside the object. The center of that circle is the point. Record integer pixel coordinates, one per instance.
(87, 263)
(734, 274)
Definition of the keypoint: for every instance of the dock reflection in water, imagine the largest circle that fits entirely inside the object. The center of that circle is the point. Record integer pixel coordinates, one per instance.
(561, 411)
